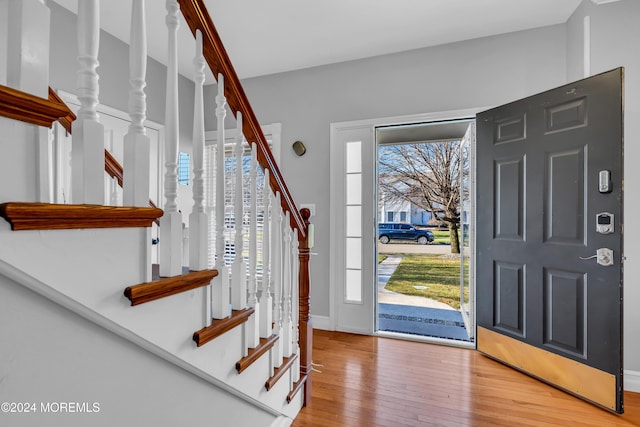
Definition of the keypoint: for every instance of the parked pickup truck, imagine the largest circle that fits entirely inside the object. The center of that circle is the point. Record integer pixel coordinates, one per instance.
(391, 231)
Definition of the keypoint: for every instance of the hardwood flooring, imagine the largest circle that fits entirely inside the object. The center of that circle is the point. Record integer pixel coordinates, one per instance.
(370, 381)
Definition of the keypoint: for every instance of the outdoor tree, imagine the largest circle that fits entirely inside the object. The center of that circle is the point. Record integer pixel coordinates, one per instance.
(425, 175)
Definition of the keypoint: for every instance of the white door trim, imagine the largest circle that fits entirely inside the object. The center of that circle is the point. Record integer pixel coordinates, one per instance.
(335, 265)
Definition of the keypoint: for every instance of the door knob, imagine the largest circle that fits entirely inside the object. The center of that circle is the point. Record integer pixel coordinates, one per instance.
(603, 256)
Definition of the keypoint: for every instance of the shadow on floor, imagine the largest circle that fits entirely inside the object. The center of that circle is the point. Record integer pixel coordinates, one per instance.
(424, 321)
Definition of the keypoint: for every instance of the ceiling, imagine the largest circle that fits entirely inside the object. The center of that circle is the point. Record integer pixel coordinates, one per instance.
(422, 132)
(266, 37)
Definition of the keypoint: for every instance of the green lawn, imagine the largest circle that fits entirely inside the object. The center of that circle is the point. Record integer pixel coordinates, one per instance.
(440, 276)
(441, 237)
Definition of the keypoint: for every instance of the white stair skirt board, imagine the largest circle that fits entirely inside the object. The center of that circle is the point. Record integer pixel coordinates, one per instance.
(147, 325)
(632, 381)
(281, 421)
(57, 297)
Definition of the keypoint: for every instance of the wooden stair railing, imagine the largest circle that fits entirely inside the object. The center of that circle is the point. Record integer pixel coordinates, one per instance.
(198, 18)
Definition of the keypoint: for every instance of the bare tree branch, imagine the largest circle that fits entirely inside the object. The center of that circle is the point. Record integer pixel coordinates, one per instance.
(425, 175)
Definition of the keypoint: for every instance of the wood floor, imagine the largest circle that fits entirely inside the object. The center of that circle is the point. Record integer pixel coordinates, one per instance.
(369, 381)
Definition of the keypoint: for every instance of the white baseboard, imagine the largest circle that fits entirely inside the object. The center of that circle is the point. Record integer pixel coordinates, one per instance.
(321, 322)
(632, 381)
(281, 421)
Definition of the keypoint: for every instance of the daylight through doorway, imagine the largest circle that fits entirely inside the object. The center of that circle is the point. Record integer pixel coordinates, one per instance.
(423, 211)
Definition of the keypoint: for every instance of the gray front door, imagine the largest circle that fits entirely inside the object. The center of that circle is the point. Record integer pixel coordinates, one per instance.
(549, 237)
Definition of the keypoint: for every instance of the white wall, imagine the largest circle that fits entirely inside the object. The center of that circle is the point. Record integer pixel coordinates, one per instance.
(615, 34)
(50, 354)
(476, 73)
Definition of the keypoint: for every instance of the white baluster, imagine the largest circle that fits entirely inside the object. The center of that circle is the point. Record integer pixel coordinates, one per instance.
(239, 272)
(88, 133)
(295, 373)
(45, 165)
(265, 296)
(253, 330)
(220, 291)
(60, 163)
(24, 60)
(287, 329)
(198, 221)
(277, 278)
(210, 197)
(171, 222)
(137, 145)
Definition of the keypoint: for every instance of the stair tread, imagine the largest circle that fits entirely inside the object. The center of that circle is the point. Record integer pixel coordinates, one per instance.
(296, 388)
(49, 216)
(161, 287)
(255, 353)
(220, 326)
(280, 371)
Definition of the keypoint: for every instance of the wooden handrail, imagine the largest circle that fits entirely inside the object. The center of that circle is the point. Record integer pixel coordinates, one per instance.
(198, 18)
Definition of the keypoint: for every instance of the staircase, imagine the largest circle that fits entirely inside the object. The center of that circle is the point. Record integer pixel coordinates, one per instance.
(236, 318)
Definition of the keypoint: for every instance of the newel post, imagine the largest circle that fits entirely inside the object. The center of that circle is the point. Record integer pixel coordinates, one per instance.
(304, 324)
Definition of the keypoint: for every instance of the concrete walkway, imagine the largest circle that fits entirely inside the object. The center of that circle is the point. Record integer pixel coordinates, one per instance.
(385, 270)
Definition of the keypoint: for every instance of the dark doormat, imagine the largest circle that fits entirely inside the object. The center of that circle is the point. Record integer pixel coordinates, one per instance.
(424, 321)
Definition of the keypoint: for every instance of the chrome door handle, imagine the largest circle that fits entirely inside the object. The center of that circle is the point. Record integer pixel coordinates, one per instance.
(603, 256)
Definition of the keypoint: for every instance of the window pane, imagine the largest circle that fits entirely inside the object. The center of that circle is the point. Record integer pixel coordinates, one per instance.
(390, 216)
(354, 157)
(354, 252)
(403, 216)
(183, 168)
(354, 189)
(354, 221)
(353, 288)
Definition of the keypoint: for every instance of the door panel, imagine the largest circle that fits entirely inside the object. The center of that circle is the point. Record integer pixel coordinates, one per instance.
(544, 302)
(352, 220)
(467, 227)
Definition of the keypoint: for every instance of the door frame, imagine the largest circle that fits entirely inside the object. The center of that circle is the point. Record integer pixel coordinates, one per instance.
(337, 262)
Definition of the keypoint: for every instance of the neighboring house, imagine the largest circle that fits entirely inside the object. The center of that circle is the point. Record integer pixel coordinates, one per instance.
(81, 361)
(403, 212)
